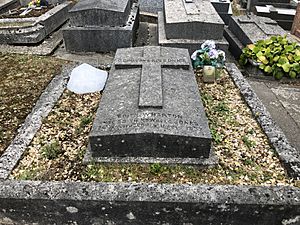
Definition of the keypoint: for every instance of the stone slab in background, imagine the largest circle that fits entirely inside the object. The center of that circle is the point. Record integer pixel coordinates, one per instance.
(46, 47)
(6, 5)
(105, 13)
(192, 20)
(190, 44)
(248, 29)
(151, 6)
(139, 115)
(33, 30)
(283, 16)
(90, 37)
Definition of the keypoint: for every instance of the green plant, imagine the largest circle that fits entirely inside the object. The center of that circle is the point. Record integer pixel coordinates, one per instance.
(85, 121)
(216, 136)
(156, 168)
(276, 56)
(249, 143)
(52, 150)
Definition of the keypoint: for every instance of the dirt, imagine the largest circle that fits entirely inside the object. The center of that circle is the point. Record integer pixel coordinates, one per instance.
(23, 78)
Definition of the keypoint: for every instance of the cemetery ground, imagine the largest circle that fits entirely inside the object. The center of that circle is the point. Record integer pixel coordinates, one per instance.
(56, 151)
(23, 79)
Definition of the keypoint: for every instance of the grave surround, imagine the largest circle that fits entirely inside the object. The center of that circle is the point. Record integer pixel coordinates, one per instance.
(107, 25)
(38, 202)
(138, 115)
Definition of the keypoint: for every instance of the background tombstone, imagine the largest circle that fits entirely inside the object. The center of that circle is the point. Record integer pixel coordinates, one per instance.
(187, 24)
(283, 16)
(151, 109)
(296, 24)
(101, 26)
(223, 8)
(244, 30)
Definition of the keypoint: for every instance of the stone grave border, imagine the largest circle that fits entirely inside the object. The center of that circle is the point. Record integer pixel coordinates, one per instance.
(67, 202)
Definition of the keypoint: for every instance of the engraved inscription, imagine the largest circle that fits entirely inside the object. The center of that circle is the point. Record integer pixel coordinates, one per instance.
(167, 121)
(144, 60)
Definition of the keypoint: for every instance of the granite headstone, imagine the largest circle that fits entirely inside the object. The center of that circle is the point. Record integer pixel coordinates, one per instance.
(150, 108)
(188, 23)
(283, 16)
(101, 26)
(248, 29)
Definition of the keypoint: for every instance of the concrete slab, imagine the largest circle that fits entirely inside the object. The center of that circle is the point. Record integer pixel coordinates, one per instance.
(283, 103)
(47, 47)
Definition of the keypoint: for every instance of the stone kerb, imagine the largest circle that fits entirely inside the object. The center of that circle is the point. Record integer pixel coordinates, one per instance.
(33, 30)
(67, 202)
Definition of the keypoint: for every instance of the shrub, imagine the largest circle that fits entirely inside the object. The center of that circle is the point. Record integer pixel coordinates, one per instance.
(276, 56)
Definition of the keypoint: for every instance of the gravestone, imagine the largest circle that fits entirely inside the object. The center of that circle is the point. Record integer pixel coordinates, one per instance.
(244, 30)
(296, 24)
(283, 16)
(151, 6)
(101, 26)
(33, 30)
(223, 8)
(6, 5)
(150, 109)
(188, 23)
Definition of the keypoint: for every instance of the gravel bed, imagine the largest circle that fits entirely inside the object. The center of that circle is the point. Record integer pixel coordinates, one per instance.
(245, 156)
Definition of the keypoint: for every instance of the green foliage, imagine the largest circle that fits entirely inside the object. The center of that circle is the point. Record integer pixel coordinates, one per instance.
(276, 56)
(156, 168)
(52, 150)
(249, 143)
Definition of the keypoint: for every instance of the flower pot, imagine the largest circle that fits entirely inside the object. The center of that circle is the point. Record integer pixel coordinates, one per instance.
(209, 74)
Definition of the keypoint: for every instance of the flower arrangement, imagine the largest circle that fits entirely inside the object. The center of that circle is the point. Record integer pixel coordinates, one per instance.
(208, 55)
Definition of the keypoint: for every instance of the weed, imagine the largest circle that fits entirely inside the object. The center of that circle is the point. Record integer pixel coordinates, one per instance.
(249, 143)
(216, 136)
(52, 150)
(84, 121)
(156, 168)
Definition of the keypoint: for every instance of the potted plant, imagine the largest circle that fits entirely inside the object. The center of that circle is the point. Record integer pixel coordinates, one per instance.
(209, 59)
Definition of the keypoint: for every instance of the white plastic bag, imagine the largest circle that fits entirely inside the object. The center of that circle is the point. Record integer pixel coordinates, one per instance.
(86, 79)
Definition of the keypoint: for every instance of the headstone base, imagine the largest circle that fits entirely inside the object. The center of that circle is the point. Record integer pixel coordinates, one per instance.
(211, 161)
(191, 45)
(102, 38)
